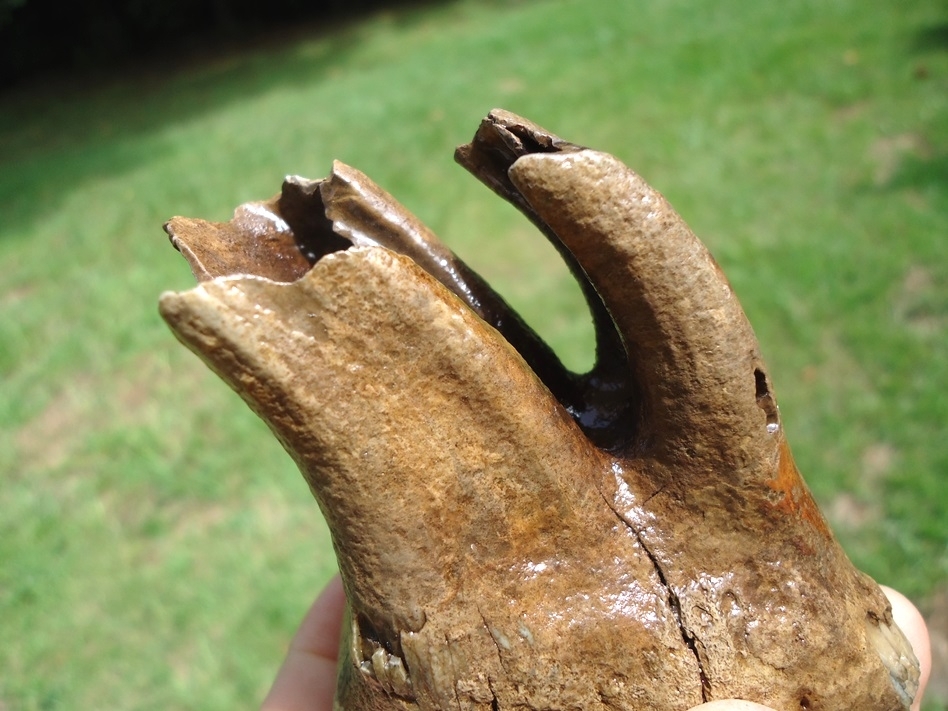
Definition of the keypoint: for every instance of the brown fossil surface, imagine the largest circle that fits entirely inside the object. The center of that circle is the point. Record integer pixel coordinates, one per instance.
(511, 534)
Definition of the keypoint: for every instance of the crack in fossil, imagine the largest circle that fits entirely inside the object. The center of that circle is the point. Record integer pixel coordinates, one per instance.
(673, 602)
(490, 633)
(651, 496)
(495, 702)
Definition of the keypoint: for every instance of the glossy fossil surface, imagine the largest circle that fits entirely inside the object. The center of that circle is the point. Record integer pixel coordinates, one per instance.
(511, 534)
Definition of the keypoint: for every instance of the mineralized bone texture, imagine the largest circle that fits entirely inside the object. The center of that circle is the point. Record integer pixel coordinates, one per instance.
(511, 534)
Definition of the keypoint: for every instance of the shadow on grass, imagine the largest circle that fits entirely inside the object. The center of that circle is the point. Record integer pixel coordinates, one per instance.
(67, 130)
(921, 173)
(932, 38)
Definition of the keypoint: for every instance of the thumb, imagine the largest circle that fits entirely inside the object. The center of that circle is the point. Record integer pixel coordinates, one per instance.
(731, 705)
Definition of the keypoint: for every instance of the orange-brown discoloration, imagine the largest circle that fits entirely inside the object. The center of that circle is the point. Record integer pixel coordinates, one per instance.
(796, 497)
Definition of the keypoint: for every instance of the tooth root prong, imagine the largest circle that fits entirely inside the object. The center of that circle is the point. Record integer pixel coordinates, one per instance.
(366, 215)
(691, 352)
(603, 400)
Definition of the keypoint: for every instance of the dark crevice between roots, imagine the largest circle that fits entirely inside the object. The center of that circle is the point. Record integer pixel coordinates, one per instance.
(601, 401)
(301, 206)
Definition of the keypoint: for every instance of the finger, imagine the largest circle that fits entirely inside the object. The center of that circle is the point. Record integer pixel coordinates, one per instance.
(910, 621)
(731, 705)
(307, 679)
(321, 628)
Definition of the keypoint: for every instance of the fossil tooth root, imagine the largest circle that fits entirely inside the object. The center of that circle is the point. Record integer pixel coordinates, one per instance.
(511, 534)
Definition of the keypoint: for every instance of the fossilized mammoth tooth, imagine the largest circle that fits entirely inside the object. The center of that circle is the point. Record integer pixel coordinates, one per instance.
(511, 534)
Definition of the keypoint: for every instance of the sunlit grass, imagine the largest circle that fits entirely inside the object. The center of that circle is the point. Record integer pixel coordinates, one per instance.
(156, 545)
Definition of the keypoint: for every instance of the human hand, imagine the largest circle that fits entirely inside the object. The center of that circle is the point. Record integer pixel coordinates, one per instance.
(307, 679)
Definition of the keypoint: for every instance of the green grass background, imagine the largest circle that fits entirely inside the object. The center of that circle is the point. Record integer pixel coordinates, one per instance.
(157, 547)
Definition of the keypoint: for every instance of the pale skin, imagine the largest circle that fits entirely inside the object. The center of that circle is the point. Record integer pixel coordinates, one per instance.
(307, 679)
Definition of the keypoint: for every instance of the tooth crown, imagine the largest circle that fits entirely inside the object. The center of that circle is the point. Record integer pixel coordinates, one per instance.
(511, 534)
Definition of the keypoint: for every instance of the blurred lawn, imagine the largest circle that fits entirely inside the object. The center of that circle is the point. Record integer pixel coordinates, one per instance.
(157, 548)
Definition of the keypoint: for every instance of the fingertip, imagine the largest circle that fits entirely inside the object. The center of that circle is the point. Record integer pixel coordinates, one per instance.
(321, 628)
(306, 680)
(304, 683)
(913, 626)
(731, 705)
